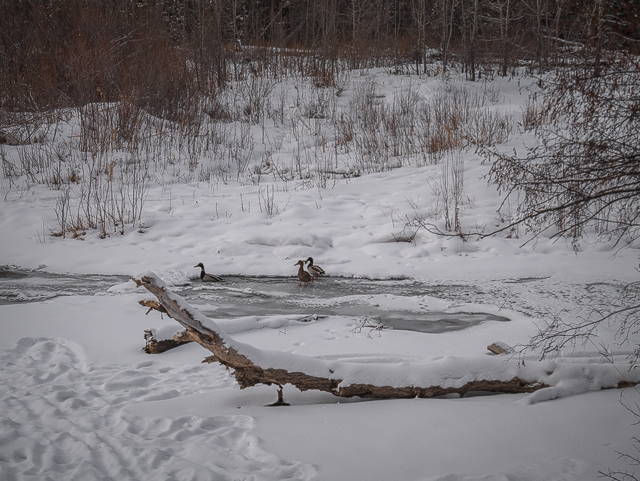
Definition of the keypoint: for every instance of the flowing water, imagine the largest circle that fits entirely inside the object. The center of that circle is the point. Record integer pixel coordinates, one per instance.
(23, 285)
(399, 304)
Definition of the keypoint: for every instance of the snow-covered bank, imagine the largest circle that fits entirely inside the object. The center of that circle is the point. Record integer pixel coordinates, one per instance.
(472, 439)
(82, 401)
(350, 232)
(79, 399)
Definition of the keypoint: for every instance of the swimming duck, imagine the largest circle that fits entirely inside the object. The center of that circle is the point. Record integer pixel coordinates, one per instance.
(303, 275)
(204, 277)
(314, 270)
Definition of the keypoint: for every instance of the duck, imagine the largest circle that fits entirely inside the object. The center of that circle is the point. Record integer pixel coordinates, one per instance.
(204, 277)
(314, 270)
(303, 275)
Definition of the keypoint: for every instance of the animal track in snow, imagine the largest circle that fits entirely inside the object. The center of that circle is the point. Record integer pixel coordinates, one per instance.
(61, 419)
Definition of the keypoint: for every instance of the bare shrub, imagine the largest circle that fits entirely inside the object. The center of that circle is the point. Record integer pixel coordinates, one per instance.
(20, 128)
(345, 131)
(9, 168)
(533, 115)
(450, 195)
(319, 105)
(365, 103)
(62, 211)
(255, 97)
(128, 124)
(266, 201)
(488, 128)
(583, 173)
(456, 118)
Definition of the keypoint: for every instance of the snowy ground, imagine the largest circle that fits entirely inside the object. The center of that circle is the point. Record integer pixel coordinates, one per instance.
(80, 400)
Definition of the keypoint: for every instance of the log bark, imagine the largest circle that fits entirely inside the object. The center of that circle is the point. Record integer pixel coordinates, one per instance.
(314, 374)
(155, 346)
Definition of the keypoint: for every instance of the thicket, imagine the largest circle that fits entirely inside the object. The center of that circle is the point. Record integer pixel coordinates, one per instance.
(100, 97)
(162, 55)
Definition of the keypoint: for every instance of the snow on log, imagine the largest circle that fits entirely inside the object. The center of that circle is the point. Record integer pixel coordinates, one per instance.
(449, 375)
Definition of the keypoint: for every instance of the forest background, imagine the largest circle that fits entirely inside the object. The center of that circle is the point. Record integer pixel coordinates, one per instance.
(164, 55)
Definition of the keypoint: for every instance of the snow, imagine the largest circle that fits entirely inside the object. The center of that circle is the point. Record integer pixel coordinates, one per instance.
(79, 399)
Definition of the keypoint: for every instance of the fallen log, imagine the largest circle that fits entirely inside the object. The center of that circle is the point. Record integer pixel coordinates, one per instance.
(251, 366)
(158, 346)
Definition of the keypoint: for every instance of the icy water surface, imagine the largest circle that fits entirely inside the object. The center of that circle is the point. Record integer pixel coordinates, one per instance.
(399, 304)
(392, 303)
(23, 285)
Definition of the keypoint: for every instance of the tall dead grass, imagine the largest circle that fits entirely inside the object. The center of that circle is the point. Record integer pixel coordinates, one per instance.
(103, 156)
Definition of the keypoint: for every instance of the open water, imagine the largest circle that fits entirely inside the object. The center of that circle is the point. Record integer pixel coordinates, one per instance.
(390, 303)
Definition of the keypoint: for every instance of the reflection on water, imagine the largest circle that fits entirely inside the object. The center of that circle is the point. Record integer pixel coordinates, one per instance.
(391, 303)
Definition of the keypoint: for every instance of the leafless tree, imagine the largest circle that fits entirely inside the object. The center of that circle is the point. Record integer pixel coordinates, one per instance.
(585, 173)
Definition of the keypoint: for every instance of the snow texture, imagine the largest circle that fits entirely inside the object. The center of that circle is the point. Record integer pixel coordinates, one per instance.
(80, 400)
